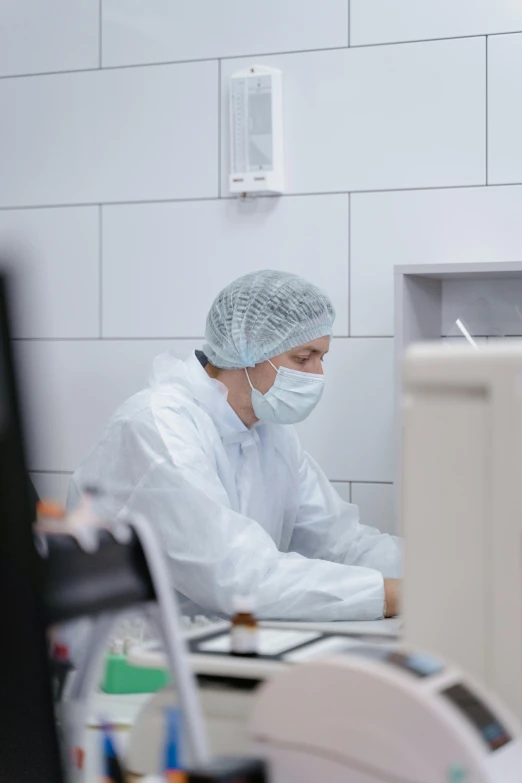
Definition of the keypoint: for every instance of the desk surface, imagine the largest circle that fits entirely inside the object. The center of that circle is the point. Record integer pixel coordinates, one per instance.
(122, 710)
(151, 655)
(389, 628)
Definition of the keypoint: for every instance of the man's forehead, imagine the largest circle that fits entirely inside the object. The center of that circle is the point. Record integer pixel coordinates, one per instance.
(312, 347)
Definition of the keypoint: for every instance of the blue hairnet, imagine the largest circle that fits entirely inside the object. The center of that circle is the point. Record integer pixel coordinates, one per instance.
(262, 315)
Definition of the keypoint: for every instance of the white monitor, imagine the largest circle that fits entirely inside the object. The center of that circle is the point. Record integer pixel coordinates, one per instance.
(461, 509)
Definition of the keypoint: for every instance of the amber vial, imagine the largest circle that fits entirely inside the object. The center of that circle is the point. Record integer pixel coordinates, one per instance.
(244, 631)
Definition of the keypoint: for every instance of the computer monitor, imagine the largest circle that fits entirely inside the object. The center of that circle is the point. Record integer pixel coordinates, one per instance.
(462, 509)
(29, 748)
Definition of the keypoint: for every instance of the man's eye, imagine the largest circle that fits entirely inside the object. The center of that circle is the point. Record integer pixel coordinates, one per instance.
(302, 359)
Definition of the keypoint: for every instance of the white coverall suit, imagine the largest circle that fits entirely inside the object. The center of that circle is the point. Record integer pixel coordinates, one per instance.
(237, 510)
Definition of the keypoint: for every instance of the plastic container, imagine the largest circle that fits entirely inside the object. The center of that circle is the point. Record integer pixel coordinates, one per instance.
(122, 677)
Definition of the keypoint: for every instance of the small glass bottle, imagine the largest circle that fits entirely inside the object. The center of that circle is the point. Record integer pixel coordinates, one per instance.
(244, 631)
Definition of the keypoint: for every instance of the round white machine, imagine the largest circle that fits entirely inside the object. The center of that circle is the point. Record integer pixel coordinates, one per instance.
(382, 715)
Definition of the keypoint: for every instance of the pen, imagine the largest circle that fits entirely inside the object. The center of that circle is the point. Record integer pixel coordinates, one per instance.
(173, 773)
(112, 767)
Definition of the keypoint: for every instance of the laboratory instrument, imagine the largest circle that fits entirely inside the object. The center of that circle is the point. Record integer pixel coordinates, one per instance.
(228, 684)
(461, 509)
(376, 715)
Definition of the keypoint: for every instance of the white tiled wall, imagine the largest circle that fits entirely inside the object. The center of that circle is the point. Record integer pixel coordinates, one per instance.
(57, 259)
(375, 501)
(350, 433)
(344, 488)
(402, 127)
(51, 485)
(154, 31)
(376, 504)
(130, 134)
(55, 35)
(491, 308)
(449, 225)
(74, 386)
(159, 251)
(380, 117)
(505, 112)
(383, 21)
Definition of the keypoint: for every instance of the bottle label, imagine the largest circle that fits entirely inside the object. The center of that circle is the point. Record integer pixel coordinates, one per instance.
(243, 639)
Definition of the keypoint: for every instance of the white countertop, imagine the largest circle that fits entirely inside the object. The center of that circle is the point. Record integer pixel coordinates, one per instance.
(121, 710)
(389, 628)
(151, 655)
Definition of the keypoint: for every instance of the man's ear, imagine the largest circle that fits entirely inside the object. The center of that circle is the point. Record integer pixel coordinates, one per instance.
(214, 372)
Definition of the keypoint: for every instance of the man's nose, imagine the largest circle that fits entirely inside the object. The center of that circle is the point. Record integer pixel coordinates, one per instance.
(316, 367)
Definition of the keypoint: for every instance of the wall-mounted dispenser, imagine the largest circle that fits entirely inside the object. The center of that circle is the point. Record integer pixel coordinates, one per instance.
(256, 131)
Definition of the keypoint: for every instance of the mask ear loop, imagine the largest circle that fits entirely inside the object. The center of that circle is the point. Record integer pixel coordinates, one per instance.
(248, 376)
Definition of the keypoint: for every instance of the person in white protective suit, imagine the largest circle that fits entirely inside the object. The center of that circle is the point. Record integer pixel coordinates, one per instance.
(208, 455)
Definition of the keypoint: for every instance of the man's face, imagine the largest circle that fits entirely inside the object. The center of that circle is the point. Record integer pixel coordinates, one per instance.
(305, 358)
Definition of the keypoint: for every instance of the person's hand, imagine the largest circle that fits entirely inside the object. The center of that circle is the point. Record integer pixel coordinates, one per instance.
(392, 594)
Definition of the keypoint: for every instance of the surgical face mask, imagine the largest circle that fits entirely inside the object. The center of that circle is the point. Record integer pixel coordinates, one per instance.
(292, 397)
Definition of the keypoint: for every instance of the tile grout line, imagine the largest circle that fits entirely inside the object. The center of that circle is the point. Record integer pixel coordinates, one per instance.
(349, 21)
(362, 481)
(426, 40)
(310, 194)
(172, 338)
(356, 191)
(100, 272)
(219, 129)
(110, 203)
(250, 55)
(349, 265)
(95, 339)
(100, 33)
(487, 113)
(357, 481)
